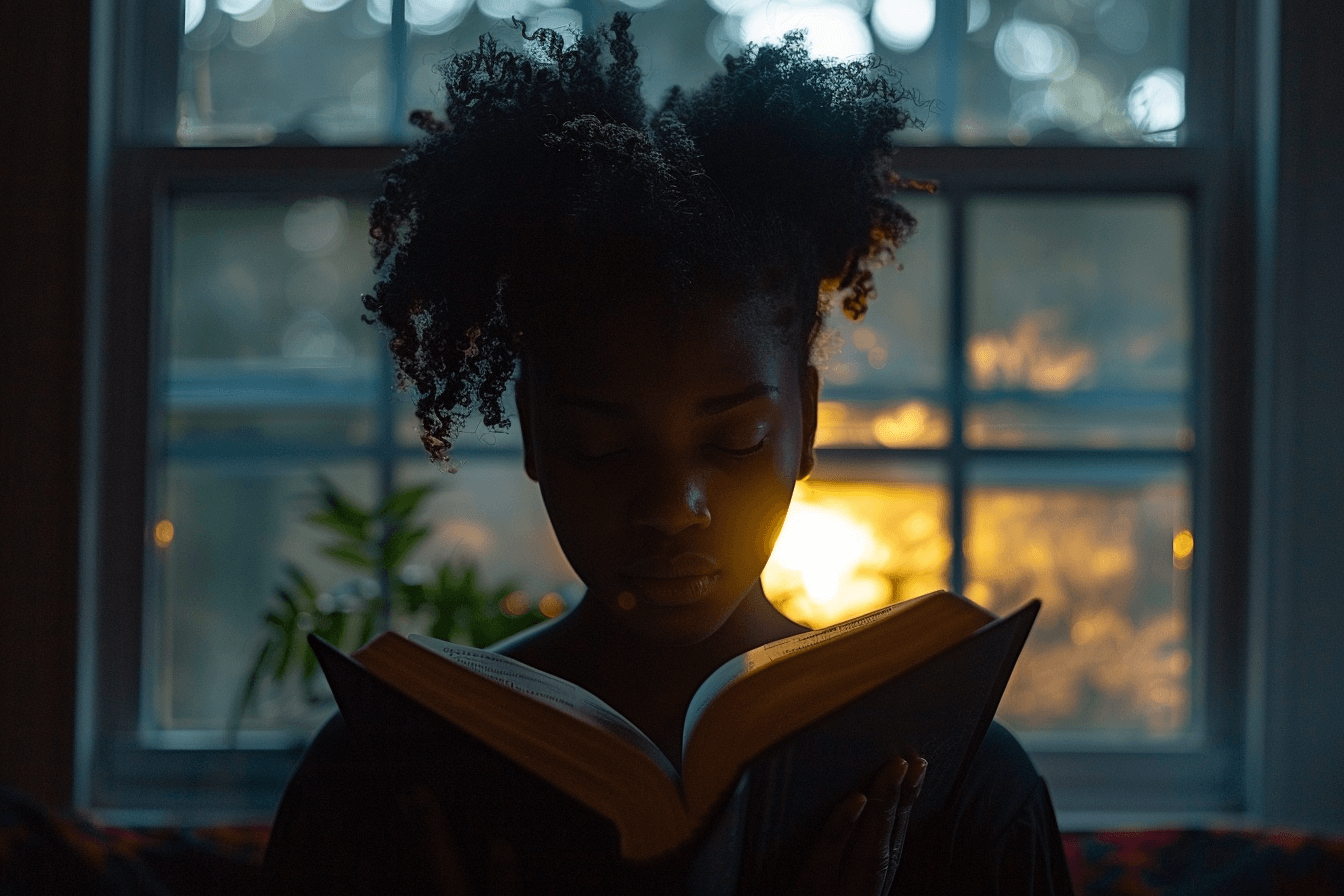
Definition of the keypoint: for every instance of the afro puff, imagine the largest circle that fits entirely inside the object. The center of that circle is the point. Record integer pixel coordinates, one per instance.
(548, 186)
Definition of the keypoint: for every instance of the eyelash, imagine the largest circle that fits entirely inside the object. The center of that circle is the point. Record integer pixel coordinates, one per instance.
(730, 452)
(744, 452)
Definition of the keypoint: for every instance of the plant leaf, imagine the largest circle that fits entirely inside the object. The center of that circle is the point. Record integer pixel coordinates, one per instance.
(400, 505)
(400, 543)
(351, 553)
(339, 512)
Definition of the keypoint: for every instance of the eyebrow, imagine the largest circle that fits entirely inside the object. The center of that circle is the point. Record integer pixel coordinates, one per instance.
(707, 408)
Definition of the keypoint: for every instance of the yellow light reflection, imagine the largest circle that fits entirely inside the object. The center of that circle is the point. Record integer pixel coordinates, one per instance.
(911, 424)
(1182, 546)
(850, 547)
(1110, 650)
(1031, 357)
(551, 605)
(515, 604)
(163, 533)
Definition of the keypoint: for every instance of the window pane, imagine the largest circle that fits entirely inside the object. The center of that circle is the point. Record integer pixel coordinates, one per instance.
(232, 528)
(490, 515)
(1071, 72)
(858, 537)
(1079, 314)
(284, 71)
(1107, 547)
(886, 376)
(260, 280)
(264, 334)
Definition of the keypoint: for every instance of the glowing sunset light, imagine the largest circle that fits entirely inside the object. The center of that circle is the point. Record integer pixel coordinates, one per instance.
(851, 547)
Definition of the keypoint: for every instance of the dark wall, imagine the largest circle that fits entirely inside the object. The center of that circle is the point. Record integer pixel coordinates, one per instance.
(44, 98)
(1302, 458)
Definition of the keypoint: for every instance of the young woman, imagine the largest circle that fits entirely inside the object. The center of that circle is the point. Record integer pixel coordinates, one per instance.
(655, 284)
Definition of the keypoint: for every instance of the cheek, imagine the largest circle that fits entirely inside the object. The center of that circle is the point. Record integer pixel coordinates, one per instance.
(753, 510)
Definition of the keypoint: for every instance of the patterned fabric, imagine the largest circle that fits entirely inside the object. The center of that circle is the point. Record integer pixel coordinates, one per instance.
(1205, 863)
(47, 854)
(43, 853)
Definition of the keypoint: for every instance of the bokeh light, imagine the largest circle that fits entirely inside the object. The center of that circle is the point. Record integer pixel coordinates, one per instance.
(834, 30)
(1122, 25)
(193, 14)
(977, 15)
(313, 225)
(163, 533)
(1157, 101)
(1032, 51)
(904, 25)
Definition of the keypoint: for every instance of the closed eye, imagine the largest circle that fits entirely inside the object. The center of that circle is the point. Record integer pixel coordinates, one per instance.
(742, 452)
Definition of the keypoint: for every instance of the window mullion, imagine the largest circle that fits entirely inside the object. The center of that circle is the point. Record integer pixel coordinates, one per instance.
(956, 471)
(397, 45)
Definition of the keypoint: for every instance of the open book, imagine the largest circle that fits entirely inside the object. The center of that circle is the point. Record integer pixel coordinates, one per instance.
(773, 740)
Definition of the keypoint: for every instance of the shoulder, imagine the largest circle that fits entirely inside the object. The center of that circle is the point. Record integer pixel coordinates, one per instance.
(337, 826)
(999, 837)
(1000, 782)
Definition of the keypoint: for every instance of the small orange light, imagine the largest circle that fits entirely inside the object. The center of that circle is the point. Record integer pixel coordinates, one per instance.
(163, 533)
(515, 604)
(551, 605)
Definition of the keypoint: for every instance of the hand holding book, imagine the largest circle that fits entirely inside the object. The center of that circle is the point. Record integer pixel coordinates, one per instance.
(861, 844)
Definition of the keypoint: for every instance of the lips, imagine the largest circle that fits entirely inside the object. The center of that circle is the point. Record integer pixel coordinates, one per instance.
(681, 566)
(671, 581)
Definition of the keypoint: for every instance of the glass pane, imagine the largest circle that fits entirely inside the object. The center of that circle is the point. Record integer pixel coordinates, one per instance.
(671, 35)
(260, 280)
(858, 537)
(490, 515)
(222, 535)
(1107, 547)
(294, 72)
(885, 377)
(1070, 71)
(1079, 322)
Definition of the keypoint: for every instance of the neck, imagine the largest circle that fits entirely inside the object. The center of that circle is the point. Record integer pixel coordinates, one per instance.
(754, 622)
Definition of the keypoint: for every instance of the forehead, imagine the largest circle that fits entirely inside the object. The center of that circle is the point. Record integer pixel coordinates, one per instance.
(632, 355)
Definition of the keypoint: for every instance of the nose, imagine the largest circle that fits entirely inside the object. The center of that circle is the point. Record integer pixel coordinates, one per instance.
(670, 502)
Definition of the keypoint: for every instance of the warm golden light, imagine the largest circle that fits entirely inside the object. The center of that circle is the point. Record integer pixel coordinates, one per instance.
(1030, 357)
(163, 533)
(911, 424)
(551, 605)
(864, 339)
(850, 547)
(1104, 653)
(515, 604)
(1182, 544)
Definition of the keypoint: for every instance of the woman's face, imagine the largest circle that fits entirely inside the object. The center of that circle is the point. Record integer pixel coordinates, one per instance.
(666, 450)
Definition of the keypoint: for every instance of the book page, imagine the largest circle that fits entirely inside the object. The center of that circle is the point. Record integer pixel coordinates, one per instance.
(563, 695)
(768, 693)
(723, 677)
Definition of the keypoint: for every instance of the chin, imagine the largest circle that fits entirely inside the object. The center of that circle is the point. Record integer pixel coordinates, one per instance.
(675, 626)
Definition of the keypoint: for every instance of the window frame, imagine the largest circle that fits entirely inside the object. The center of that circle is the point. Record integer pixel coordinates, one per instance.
(1187, 780)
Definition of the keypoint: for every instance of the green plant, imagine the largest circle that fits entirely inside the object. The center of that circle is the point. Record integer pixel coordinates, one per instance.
(374, 542)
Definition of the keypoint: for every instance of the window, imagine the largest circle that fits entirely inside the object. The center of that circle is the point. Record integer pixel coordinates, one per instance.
(1036, 405)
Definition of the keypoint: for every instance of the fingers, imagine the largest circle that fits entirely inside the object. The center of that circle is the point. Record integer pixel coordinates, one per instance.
(860, 846)
(910, 787)
(913, 780)
(869, 856)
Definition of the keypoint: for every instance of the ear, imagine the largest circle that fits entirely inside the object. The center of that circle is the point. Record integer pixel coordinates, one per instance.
(811, 393)
(522, 396)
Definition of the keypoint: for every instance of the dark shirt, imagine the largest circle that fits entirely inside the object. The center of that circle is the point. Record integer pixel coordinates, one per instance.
(345, 826)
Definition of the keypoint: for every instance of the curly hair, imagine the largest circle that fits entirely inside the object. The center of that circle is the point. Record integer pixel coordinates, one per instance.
(548, 187)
